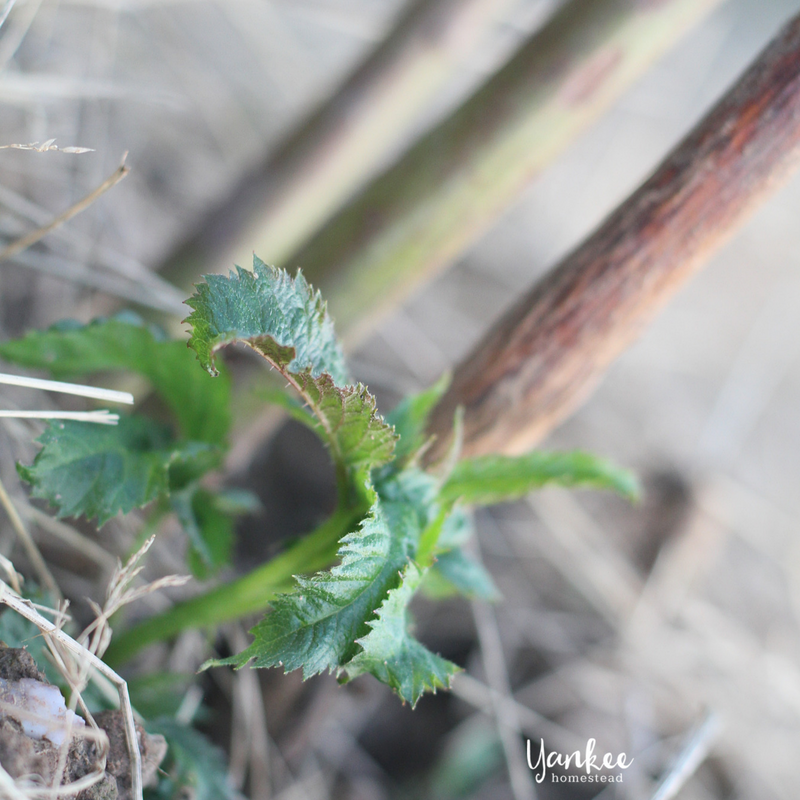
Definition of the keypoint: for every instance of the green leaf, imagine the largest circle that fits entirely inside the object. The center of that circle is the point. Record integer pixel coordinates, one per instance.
(208, 526)
(191, 461)
(458, 529)
(285, 321)
(393, 656)
(493, 479)
(442, 527)
(316, 626)
(279, 316)
(410, 418)
(412, 488)
(157, 694)
(473, 752)
(348, 422)
(102, 470)
(195, 768)
(454, 572)
(125, 342)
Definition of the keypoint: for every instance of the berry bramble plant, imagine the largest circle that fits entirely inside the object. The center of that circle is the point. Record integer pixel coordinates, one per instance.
(338, 599)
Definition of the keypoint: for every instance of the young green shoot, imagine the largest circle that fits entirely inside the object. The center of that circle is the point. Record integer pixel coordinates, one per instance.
(337, 600)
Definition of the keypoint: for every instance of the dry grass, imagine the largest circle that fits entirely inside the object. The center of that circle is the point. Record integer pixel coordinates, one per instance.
(671, 636)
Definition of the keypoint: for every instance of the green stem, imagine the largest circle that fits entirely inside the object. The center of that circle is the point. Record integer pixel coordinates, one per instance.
(430, 537)
(253, 592)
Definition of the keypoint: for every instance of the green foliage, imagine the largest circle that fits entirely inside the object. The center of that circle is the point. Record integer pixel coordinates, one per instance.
(348, 422)
(101, 470)
(353, 618)
(392, 655)
(410, 417)
(194, 767)
(286, 322)
(397, 526)
(316, 627)
(201, 406)
(492, 479)
(208, 526)
(455, 572)
(278, 316)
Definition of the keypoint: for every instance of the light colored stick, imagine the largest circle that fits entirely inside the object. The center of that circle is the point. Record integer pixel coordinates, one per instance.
(6, 10)
(583, 553)
(46, 147)
(31, 238)
(332, 152)
(252, 742)
(690, 758)
(533, 724)
(45, 576)
(14, 577)
(151, 289)
(19, 27)
(130, 289)
(9, 788)
(109, 395)
(509, 728)
(101, 417)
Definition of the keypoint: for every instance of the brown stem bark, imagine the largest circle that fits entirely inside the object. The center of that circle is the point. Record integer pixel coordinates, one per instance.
(547, 353)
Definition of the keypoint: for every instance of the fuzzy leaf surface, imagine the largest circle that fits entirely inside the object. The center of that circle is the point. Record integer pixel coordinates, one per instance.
(102, 470)
(492, 479)
(316, 626)
(285, 321)
(348, 422)
(199, 404)
(279, 316)
(414, 490)
(393, 656)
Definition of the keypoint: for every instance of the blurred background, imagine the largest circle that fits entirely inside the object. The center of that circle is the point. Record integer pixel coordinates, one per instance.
(667, 630)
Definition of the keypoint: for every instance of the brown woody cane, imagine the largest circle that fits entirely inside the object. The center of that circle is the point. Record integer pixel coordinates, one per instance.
(546, 354)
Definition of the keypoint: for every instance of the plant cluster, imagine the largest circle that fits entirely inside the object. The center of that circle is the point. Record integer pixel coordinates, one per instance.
(339, 599)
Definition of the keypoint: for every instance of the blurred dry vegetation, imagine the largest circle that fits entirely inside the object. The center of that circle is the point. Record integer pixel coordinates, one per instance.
(668, 630)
